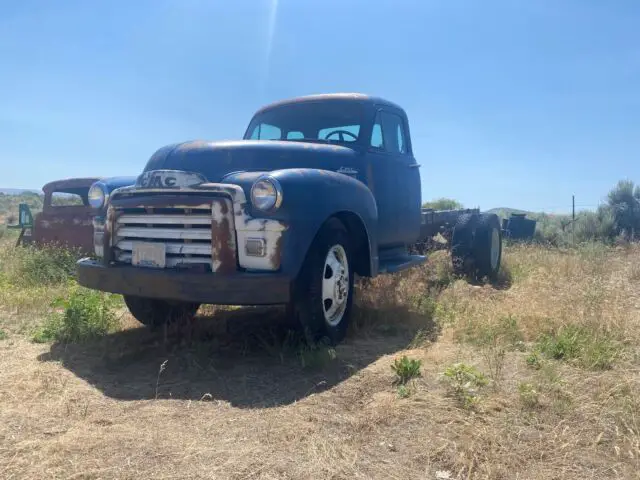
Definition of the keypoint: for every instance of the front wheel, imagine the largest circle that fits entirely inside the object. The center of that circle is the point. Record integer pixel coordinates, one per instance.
(155, 313)
(324, 290)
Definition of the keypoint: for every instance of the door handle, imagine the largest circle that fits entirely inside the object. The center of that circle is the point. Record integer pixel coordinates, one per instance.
(414, 165)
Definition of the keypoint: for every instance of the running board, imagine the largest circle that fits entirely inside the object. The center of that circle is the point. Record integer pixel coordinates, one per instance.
(397, 264)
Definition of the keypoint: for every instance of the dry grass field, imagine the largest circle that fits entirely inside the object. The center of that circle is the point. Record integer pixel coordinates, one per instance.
(535, 377)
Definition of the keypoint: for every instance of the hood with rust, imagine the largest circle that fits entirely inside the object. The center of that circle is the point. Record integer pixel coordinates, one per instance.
(216, 160)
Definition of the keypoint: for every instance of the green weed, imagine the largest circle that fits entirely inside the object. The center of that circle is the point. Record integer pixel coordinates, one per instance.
(465, 382)
(34, 266)
(528, 395)
(86, 314)
(584, 346)
(533, 360)
(403, 391)
(406, 369)
(3, 335)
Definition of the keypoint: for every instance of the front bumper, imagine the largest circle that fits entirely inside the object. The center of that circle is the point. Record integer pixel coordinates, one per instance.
(241, 288)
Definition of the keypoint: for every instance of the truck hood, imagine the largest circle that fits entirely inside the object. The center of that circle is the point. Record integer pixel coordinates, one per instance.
(216, 160)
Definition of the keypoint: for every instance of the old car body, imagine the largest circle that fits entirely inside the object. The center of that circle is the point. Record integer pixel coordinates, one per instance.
(67, 215)
(65, 218)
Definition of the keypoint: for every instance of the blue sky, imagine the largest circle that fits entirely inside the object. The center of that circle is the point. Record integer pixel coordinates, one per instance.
(511, 103)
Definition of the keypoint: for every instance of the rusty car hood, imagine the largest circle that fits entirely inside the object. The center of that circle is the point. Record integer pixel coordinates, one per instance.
(216, 160)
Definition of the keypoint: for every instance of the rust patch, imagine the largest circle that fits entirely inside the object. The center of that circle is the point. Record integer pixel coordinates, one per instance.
(276, 257)
(223, 240)
(107, 240)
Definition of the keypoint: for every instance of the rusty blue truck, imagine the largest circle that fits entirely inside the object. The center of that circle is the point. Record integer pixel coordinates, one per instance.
(320, 189)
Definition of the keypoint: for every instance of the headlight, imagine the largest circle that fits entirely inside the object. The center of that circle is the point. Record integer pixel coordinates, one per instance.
(97, 195)
(266, 194)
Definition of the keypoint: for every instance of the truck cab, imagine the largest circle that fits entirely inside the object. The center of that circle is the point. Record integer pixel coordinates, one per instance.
(320, 188)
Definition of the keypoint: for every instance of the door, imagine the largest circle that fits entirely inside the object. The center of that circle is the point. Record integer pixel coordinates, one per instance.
(394, 178)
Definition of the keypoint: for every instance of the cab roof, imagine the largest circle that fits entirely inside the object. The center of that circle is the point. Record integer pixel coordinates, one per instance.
(336, 97)
(69, 184)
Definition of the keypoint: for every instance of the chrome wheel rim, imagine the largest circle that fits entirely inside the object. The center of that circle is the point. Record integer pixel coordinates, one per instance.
(495, 248)
(335, 285)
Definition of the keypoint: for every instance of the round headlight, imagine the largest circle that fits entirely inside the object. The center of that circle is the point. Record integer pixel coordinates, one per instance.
(266, 194)
(97, 195)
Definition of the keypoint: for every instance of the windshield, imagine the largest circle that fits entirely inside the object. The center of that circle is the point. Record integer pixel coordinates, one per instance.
(310, 121)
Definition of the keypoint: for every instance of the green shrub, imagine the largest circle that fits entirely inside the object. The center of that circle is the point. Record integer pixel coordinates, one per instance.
(3, 335)
(588, 348)
(86, 314)
(31, 266)
(528, 395)
(465, 382)
(406, 369)
(533, 360)
(403, 391)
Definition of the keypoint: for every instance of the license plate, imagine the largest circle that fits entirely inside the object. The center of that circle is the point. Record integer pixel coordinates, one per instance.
(151, 255)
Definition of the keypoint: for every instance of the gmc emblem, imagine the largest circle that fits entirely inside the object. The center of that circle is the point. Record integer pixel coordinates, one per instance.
(153, 181)
(169, 179)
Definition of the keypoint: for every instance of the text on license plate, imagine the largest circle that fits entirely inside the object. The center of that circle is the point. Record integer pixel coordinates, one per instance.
(149, 255)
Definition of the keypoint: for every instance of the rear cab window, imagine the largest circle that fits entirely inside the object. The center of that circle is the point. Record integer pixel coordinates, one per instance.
(321, 122)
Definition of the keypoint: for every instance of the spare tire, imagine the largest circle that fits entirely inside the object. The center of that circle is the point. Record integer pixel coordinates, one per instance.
(487, 246)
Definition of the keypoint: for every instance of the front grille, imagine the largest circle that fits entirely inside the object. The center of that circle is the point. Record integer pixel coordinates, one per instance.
(185, 232)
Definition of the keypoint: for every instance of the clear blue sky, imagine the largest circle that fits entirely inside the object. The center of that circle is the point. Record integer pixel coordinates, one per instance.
(511, 103)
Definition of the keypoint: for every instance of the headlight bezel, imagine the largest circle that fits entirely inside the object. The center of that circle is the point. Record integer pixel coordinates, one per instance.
(275, 186)
(98, 186)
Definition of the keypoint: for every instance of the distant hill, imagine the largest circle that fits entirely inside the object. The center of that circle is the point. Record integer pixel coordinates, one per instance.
(17, 191)
(9, 203)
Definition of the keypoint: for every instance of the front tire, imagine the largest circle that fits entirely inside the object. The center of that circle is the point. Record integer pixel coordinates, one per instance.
(155, 313)
(323, 294)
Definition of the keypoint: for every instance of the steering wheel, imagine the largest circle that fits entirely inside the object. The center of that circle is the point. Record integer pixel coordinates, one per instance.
(341, 134)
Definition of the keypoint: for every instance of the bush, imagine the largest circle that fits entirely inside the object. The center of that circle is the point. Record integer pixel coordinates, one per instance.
(465, 381)
(588, 348)
(443, 204)
(31, 266)
(86, 314)
(528, 395)
(406, 369)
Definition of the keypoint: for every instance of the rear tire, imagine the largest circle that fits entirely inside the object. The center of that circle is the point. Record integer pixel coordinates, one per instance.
(323, 293)
(462, 241)
(155, 313)
(488, 246)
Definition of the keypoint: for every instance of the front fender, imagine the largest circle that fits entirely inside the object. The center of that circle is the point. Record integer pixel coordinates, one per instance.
(310, 197)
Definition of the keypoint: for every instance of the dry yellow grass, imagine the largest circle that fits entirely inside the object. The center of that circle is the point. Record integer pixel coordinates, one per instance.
(237, 403)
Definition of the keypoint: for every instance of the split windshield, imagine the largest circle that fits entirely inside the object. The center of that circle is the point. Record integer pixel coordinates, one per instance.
(323, 122)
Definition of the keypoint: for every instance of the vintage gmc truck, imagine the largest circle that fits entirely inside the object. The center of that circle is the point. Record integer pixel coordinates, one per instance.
(320, 189)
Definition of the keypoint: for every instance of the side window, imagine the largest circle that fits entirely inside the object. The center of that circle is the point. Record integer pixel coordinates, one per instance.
(401, 145)
(264, 131)
(393, 133)
(376, 133)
